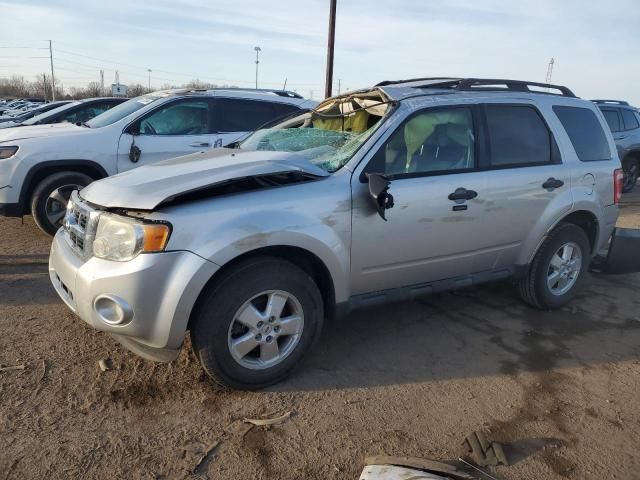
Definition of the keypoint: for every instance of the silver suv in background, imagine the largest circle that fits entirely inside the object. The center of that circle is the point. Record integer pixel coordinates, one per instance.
(624, 122)
(389, 193)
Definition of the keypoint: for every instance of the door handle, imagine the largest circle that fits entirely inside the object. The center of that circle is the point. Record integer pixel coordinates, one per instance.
(551, 184)
(200, 144)
(463, 194)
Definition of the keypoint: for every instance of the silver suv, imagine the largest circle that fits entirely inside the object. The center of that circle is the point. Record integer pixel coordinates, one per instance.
(378, 195)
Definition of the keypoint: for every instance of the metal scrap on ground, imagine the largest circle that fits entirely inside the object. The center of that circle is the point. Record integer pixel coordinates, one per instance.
(268, 421)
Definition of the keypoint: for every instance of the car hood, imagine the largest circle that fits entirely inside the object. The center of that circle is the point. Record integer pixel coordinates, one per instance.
(146, 187)
(40, 131)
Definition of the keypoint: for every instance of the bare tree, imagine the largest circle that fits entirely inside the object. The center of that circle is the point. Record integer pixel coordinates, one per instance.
(136, 90)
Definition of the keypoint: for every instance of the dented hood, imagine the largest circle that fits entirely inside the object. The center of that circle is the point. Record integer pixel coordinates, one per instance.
(146, 187)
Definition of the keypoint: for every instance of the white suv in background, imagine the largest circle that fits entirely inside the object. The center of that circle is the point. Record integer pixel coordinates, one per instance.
(41, 165)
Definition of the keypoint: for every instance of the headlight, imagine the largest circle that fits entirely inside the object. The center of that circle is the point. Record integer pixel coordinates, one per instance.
(7, 152)
(121, 239)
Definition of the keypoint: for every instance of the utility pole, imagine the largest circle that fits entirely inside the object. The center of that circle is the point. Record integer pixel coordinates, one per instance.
(550, 70)
(339, 85)
(330, 44)
(258, 50)
(53, 81)
(44, 86)
(101, 82)
(149, 70)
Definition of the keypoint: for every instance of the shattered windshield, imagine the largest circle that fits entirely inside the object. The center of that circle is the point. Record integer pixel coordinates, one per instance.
(329, 135)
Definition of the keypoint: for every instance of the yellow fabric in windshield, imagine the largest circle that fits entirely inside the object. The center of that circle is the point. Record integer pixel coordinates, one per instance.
(356, 123)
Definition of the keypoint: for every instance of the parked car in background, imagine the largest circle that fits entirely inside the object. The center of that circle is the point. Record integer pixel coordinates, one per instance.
(79, 111)
(21, 117)
(17, 104)
(377, 195)
(624, 122)
(41, 165)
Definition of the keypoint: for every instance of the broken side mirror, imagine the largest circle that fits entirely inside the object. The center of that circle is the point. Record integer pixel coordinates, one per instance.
(379, 193)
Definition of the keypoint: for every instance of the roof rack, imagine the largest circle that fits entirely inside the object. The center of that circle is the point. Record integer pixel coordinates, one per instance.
(612, 102)
(280, 93)
(483, 84)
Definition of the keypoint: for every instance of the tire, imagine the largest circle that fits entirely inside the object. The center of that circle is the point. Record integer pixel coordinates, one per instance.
(215, 323)
(45, 208)
(631, 170)
(534, 287)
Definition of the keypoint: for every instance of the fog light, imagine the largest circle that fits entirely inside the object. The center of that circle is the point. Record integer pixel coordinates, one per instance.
(112, 310)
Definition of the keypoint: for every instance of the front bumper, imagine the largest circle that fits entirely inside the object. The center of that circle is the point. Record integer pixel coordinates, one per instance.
(145, 303)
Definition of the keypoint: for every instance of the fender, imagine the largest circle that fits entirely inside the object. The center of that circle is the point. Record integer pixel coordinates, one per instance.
(89, 167)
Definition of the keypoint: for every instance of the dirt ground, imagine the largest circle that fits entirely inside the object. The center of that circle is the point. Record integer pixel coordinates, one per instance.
(559, 389)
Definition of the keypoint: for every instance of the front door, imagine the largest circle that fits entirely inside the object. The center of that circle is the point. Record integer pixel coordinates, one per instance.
(174, 129)
(436, 229)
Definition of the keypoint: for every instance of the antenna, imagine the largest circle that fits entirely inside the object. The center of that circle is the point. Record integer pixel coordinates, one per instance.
(550, 71)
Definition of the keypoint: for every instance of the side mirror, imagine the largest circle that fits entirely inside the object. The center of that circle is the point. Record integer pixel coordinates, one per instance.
(379, 193)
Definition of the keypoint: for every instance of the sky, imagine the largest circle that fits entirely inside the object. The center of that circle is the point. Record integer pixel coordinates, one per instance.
(595, 43)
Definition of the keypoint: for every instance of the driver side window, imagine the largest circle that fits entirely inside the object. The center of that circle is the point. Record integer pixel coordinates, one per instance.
(178, 118)
(432, 141)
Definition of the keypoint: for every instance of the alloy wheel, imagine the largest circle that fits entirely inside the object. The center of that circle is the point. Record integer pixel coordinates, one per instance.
(56, 204)
(564, 268)
(266, 329)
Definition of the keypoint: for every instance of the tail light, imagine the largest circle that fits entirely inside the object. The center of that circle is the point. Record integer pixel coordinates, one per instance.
(618, 181)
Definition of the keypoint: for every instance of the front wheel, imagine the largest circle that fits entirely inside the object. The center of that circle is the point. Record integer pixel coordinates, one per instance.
(558, 268)
(50, 197)
(631, 171)
(256, 322)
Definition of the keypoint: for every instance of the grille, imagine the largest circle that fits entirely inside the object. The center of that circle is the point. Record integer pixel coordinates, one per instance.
(80, 225)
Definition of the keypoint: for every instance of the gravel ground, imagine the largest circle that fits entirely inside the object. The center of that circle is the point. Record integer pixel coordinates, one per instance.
(559, 389)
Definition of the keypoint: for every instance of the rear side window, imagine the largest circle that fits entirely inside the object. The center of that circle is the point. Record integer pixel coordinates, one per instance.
(517, 136)
(630, 120)
(585, 132)
(613, 120)
(237, 115)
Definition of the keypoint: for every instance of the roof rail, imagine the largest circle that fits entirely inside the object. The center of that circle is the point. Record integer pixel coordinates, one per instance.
(612, 102)
(280, 93)
(484, 84)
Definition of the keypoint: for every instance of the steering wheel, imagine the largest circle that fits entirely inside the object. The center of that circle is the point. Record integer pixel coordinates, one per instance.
(148, 129)
(265, 144)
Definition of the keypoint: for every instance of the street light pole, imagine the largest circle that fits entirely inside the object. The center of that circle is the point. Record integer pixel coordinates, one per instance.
(331, 42)
(258, 50)
(149, 70)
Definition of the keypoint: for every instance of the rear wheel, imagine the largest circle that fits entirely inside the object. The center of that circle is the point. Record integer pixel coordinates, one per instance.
(558, 268)
(50, 197)
(253, 326)
(631, 170)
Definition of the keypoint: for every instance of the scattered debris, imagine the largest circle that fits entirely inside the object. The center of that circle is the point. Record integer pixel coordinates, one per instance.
(203, 464)
(13, 367)
(268, 421)
(105, 364)
(423, 464)
(483, 452)
(392, 472)
(477, 469)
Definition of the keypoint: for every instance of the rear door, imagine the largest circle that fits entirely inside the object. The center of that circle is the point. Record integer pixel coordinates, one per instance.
(173, 129)
(526, 177)
(235, 117)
